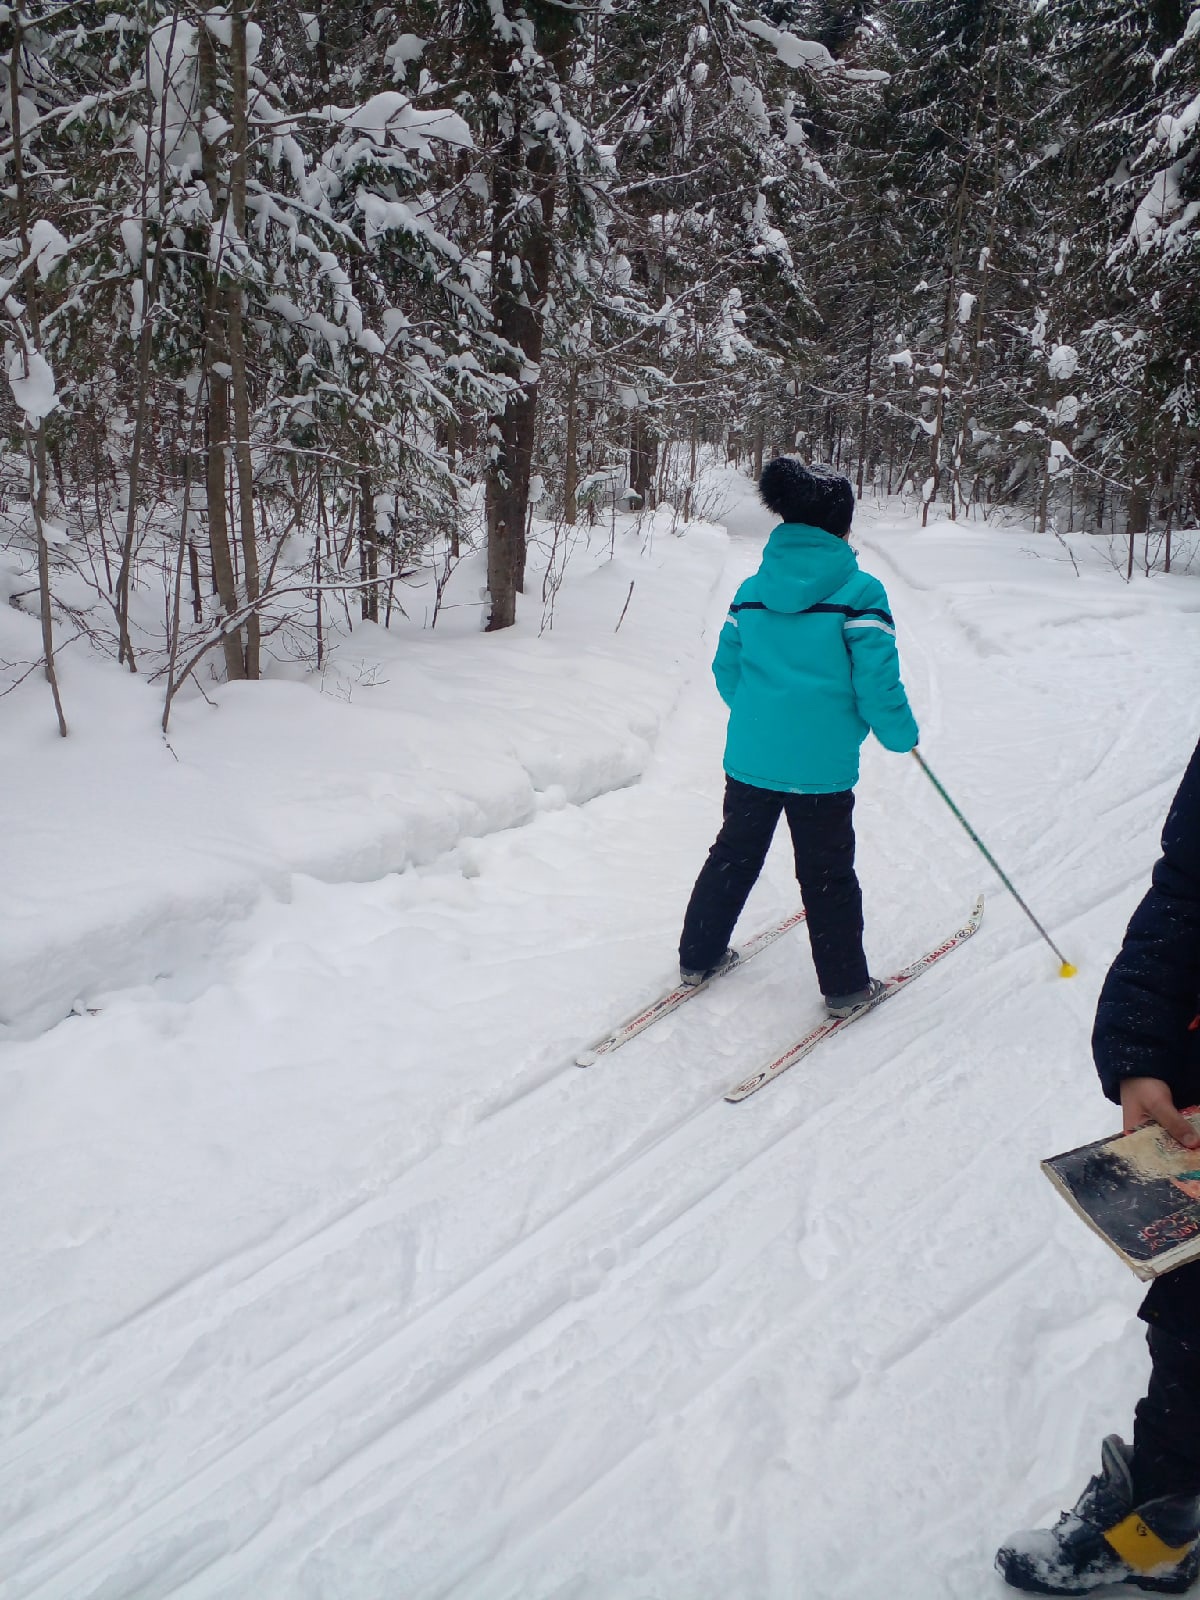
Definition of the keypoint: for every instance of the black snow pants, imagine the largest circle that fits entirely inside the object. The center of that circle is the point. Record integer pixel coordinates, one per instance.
(822, 829)
(1166, 1431)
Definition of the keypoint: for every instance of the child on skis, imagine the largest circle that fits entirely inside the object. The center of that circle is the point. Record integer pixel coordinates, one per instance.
(1138, 1520)
(807, 665)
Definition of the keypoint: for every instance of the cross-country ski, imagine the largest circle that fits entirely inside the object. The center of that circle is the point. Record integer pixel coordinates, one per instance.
(825, 1030)
(682, 992)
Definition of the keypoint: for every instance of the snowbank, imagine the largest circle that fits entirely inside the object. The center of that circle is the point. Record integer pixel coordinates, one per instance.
(126, 859)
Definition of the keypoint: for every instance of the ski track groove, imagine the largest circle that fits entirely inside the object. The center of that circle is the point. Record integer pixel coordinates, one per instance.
(333, 1236)
(359, 1465)
(824, 1292)
(956, 1309)
(447, 1308)
(336, 1388)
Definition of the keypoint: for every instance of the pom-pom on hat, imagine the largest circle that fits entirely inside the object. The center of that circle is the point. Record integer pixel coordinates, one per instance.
(817, 495)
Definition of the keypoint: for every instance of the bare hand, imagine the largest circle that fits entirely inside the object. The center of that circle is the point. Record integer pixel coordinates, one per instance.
(1149, 1100)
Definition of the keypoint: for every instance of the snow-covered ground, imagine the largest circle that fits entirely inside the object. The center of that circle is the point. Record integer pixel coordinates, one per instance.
(329, 1278)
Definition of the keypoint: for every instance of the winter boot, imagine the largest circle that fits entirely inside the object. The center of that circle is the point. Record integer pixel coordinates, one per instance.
(693, 977)
(1107, 1539)
(845, 1005)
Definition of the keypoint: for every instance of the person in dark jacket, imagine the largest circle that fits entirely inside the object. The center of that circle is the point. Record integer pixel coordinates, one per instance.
(1138, 1520)
(807, 665)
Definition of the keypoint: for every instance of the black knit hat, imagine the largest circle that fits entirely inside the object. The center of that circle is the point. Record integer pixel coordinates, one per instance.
(815, 495)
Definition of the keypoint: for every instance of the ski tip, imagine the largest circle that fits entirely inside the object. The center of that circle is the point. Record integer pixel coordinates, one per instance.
(743, 1091)
(586, 1058)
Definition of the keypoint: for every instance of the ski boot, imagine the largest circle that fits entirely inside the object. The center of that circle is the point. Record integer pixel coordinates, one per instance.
(845, 1005)
(693, 977)
(1107, 1539)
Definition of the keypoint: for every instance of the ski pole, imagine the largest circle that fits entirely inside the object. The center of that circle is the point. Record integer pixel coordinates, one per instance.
(1066, 970)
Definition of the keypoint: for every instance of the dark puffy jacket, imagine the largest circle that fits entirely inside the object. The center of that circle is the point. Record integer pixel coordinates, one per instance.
(1151, 997)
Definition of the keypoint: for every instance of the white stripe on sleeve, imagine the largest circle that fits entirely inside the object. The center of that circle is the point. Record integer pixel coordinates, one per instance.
(870, 622)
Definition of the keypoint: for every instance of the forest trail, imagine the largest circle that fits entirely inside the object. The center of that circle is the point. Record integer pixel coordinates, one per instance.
(355, 1288)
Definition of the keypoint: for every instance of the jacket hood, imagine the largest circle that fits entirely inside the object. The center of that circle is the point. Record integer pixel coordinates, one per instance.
(801, 566)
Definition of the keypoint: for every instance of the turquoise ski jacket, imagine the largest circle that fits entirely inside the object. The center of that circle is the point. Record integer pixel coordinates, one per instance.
(807, 665)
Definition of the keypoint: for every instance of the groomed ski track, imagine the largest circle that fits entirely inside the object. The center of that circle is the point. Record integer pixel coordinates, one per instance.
(486, 1327)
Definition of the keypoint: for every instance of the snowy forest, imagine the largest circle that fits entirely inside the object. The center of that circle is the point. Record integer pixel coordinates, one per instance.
(390, 1207)
(297, 301)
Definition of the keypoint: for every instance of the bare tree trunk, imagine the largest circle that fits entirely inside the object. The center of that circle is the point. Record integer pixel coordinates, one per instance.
(1171, 488)
(1044, 495)
(148, 286)
(507, 504)
(239, 382)
(663, 469)
(125, 651)
(1137, 517)
(524, 190)
(173, 681)
(865, 414)
(571, 451)
(35, 445)
(214, 479)
(689, 499)
(368, 548)
(217, 370)
(194, 571)
(643, 455)
(35, 433)
(245, 477)
(452, 463)
(320, 619)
